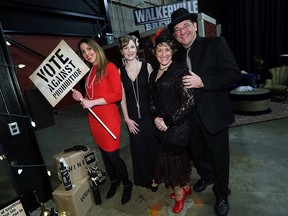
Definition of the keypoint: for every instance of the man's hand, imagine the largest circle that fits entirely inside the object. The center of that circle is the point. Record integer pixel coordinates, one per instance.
(192, 81)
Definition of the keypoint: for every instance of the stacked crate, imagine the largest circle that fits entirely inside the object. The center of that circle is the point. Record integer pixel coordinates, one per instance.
(79, 199)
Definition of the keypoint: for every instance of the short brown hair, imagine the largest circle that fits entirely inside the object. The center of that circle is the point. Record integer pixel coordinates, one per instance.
(124, 41)
(167, 41)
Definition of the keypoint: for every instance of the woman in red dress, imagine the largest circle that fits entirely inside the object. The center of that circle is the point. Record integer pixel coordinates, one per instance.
(103, 90)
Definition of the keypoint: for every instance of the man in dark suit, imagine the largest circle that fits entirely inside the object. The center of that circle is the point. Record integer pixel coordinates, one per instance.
(213, 72)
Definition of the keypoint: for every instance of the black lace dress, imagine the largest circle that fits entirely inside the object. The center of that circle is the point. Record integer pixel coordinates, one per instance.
(144, 146)
(171, 101)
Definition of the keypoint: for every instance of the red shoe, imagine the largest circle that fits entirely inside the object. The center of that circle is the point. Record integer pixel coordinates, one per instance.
(179, 205)
(189, 192)
(172, 196)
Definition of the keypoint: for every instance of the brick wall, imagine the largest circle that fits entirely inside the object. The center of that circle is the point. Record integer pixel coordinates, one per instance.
(207, 26)
(210, 29)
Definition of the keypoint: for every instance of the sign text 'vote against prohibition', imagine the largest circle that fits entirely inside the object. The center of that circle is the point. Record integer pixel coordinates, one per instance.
(58, 73)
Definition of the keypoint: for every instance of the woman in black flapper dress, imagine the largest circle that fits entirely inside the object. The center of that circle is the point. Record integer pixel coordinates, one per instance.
(135, 108)
(171, 106)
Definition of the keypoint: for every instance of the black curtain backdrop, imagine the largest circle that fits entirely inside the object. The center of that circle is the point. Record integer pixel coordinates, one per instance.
(258, 28)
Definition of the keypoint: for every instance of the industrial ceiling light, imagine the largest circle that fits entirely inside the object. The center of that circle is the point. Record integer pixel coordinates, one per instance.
(16, 66)
(21, 65)
(20, 171)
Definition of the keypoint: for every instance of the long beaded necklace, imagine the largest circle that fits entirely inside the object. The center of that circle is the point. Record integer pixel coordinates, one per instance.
(91, 86)
(136, 95)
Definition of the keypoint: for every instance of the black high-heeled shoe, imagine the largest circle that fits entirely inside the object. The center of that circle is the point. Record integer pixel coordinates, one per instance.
(126, 196)
(154, 188)
(113, 187)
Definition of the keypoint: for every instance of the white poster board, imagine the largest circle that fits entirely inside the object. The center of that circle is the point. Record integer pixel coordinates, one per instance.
(58, 73)
(15, 209)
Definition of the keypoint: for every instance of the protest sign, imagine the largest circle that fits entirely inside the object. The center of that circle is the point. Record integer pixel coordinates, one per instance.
(58, 73)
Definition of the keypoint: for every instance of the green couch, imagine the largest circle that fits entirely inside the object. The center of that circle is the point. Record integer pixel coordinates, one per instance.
(278, 84)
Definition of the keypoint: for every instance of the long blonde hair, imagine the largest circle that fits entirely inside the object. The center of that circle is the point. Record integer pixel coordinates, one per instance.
(101, 59)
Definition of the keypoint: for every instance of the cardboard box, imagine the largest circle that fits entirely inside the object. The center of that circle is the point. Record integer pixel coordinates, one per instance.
(77, 201)
(75, 162)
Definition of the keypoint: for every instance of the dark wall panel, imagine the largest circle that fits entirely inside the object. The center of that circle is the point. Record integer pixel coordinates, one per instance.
(21, 149)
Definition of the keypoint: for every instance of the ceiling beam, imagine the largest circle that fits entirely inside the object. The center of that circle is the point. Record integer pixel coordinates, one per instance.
(125, 4)
(41, 10)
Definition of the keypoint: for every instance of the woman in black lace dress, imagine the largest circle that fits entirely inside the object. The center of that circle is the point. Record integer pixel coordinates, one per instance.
(135, 108)
(171, 106)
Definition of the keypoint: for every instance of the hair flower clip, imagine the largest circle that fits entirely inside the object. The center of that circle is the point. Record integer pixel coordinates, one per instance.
(137, 42)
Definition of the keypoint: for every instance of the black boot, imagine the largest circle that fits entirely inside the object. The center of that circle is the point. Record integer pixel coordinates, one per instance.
(113, 188)
(126, 196)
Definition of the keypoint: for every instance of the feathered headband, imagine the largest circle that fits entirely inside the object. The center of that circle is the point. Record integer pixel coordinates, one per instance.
(153, 38)
(159, 37)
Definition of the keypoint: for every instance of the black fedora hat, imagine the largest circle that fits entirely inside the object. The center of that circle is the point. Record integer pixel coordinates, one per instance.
(180, 15)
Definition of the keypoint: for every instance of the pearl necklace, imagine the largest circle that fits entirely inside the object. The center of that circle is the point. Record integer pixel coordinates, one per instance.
(91, 86)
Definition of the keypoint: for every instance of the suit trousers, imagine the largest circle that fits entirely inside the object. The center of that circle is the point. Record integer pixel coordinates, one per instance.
(210, 155)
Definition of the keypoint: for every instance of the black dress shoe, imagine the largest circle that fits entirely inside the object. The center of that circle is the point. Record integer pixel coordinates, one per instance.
(222, 207)
(201, 185)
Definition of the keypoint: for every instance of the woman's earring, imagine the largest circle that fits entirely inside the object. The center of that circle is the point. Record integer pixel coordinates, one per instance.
(124, 61)
(137, 57)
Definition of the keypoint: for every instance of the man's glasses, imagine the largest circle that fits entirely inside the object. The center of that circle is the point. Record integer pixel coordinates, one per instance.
(185, 27)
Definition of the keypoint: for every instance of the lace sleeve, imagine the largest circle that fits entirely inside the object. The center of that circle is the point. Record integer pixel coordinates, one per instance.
(153, 109)
(181, 114)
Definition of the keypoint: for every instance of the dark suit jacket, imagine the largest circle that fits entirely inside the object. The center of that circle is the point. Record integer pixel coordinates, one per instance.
(214, 62)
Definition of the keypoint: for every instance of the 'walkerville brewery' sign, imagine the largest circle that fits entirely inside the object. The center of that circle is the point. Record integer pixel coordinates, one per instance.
(58, 73)
(154, 17)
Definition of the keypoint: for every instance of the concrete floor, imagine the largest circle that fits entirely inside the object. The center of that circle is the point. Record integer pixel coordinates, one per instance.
(258, 171)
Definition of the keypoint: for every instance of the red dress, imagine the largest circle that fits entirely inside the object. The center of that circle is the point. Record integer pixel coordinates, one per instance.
(110, 89)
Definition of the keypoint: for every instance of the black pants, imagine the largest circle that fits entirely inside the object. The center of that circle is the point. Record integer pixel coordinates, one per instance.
(115, 166)
(211, 157)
